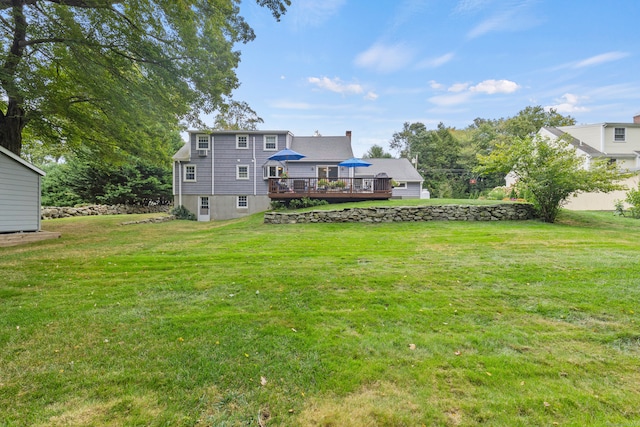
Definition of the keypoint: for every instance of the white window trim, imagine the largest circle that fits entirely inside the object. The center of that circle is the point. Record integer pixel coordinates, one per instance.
(198, 147)
(624, 135)
(264, 145)
(238, 202)
(238, 172)
(238, 142)
(195, 173)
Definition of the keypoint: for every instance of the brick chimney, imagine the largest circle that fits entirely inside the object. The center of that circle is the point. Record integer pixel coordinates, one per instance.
(636, 119)
(348, 133)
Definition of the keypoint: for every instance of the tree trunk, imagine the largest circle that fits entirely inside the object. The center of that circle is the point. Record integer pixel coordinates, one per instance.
(11, 125)
(12, 122)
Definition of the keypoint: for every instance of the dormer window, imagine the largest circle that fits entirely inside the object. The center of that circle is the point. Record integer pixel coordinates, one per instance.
(619, 134)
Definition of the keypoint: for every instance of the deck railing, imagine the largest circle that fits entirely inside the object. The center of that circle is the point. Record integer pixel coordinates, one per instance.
(358, 188)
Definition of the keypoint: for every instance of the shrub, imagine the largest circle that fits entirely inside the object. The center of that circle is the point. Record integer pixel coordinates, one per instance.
(633, 198)
(180, 212)
(497, 193)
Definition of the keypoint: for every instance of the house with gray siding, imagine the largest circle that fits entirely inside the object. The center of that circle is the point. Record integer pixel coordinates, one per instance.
(228, 174)
(19, 194)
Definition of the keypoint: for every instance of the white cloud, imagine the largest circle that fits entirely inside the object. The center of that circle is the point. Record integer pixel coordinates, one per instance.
(436, 62)
(600, 59)
(312, 12)
(385, 58)
(336, 85)
(435, 85)
(371, 96)
(491, 87)
(515, 16)
(463, 92)
(568, 103)
(467, 6)
(450, 100)
(458, 87)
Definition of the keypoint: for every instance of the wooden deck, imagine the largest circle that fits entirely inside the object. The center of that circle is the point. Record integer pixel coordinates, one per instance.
(13, 239)
(333, 190)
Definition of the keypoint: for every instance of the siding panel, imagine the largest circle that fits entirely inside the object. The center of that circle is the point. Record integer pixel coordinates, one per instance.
(19, 197)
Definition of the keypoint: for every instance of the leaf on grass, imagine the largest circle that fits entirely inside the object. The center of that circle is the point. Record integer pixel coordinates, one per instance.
(263, 381)
(412, 346)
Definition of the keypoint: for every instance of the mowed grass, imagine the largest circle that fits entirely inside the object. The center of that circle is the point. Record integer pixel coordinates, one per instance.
(240, 323)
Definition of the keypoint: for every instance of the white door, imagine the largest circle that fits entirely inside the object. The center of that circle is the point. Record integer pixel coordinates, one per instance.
(203, 209)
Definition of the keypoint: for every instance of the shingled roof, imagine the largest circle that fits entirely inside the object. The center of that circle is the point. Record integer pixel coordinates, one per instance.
(323, 148)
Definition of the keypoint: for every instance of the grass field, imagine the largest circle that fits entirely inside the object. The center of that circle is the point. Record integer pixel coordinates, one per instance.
(239, 323)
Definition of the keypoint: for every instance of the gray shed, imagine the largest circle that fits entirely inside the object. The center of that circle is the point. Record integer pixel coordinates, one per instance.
(19, 194)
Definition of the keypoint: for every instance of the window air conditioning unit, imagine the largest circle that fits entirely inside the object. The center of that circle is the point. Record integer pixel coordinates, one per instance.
(203, 153)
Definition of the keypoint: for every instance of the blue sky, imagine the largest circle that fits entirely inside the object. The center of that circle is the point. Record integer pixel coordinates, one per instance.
(370, 65)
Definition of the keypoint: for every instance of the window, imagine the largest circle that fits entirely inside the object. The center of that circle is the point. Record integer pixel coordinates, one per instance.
(242, 202)
(242, 141)
(270, 142)
(190, 173)
(400, 185)
(618, 135)
(242, 172)
(272, 171)
(202, 142)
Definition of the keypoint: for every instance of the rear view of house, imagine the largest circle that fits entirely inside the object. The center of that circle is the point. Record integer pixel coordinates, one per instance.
(19, 194)
(229, 174)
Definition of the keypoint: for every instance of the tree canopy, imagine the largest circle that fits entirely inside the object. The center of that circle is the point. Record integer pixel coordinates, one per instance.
(113, 75)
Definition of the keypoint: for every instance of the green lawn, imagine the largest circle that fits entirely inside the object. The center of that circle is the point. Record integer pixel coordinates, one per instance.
(240, 323)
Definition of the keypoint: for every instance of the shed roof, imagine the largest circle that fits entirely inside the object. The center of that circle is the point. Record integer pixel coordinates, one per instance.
(21, 161)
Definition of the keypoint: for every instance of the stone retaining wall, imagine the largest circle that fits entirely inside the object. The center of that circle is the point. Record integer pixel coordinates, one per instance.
(48, 212)
(501, 212)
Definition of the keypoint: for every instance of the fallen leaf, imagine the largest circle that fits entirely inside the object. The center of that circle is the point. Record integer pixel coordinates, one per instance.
(457, 353)
(263, 381)
(547, 404)
(294, 329)
(412, 346)
(488, 373)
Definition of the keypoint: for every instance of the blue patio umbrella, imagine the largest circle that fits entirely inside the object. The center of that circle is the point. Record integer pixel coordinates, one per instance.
(286, 154)
(354, 163)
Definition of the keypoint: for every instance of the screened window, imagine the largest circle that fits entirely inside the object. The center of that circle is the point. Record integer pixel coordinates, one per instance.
(242, 141)
(270, 142)
(189, 173)
(202, 142)
(619, 134)
(242, 172)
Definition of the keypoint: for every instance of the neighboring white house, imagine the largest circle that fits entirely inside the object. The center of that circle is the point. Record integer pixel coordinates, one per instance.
(618, 142)
(19, 194)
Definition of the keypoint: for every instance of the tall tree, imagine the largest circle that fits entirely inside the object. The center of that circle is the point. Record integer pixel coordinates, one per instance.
(377, 152)
(237, 116)
(111, 74)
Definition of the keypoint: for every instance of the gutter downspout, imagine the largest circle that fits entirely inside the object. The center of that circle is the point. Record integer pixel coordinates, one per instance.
(213, 156)
(602, 129)
(255, 168)
(179, 183)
